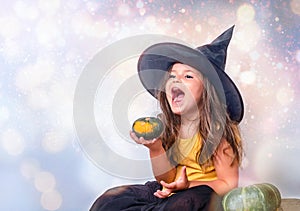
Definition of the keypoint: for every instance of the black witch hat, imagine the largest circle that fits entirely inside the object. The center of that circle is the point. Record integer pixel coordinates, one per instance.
(209, 59)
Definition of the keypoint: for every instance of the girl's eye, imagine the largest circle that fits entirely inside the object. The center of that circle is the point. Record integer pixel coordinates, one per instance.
(189, 76)
(172, 76)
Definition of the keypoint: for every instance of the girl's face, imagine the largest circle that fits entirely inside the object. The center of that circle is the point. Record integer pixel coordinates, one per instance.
(184, 89)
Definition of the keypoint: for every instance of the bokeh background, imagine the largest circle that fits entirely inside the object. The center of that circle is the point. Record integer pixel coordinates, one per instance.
(45, 45)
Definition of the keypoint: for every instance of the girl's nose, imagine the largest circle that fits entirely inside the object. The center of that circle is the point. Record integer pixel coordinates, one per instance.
(177, 80)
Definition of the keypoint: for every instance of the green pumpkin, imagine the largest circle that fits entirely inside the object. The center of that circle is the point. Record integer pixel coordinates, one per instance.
(256, 197)
(148, 127)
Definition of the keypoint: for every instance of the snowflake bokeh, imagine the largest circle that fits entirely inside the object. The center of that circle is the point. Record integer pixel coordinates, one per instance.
(45, 45)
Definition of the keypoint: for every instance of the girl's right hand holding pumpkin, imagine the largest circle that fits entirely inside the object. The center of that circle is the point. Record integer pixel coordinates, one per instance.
(153, 145)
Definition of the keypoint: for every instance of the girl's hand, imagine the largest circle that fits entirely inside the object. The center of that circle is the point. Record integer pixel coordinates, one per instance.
(181, 183)
(154, 144)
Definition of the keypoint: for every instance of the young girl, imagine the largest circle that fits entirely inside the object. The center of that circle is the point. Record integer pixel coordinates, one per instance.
(196, 159)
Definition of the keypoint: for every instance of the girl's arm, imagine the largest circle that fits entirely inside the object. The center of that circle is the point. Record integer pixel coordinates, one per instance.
(227, 169)
(161, 166)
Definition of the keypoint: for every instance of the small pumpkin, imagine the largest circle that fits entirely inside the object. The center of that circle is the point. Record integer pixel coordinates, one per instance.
(148, 127)
(258, 197)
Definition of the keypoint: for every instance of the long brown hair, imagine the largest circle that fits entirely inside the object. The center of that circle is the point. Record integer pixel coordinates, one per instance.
(214, 124)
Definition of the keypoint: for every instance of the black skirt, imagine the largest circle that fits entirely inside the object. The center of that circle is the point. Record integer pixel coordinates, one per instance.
(141, 198)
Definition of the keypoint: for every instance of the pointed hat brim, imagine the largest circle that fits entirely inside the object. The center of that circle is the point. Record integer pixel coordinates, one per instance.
(208, 59)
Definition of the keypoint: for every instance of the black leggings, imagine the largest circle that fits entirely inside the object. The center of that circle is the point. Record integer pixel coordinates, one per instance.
(141, 198)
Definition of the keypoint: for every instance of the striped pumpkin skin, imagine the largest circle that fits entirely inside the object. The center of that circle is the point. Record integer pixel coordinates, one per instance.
(148, 127)
(256, 197)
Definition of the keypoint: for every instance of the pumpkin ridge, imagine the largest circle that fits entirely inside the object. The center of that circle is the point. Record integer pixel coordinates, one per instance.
(243, 194)
(262, 196)
(276, 193)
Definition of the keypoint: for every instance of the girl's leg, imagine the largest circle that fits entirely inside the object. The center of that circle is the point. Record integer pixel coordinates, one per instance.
(129, 198)
(196, 198)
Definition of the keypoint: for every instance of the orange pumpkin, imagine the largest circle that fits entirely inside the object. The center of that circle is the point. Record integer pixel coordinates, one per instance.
(148, 127)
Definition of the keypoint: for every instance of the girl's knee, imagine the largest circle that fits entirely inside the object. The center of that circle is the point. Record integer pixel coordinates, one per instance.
(108, 196)
(115, 191)
(197, 198)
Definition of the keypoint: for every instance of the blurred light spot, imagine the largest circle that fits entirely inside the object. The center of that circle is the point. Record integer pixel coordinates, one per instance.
(198, 28)
(44, 181)
(295, 6)
(276, 19)
(298, 56)
(212, 21)
(54, 142)
(62, 92)
(25, 11)
(51, 200)
(150, 21)
(29, 168)
(98, 29)
(92, 6)
(269, 125)
(68, 70)
(123, 10)
(10, 27)
(279, 65)
(254, 55)
(49, 34)
(12, 142)
(245, 13)
(11, 50)
(182, 10)
(49, 7)
(84, 25)
(32, 76)
(142, 11)
(247, 36)
(139, 4)
(4, 114)
(248, 77)
(285, 96)
(38, 99)
(233, 68)
(167, 20)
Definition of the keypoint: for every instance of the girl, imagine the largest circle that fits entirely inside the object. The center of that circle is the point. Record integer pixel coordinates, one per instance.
(196, 159)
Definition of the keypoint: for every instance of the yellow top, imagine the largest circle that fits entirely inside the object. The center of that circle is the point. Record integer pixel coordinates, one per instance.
(187, 156)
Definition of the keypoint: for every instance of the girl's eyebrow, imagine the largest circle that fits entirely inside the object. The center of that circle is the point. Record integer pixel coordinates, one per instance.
(185, 71)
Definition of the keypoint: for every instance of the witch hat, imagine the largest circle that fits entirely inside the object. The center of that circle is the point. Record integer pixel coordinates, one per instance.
(209, 59)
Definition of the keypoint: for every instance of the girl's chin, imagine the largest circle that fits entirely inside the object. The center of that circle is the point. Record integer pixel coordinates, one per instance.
(184, 111)
(176, 110)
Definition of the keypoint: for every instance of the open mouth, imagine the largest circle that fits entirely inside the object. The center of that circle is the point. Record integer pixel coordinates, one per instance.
(177, 94)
